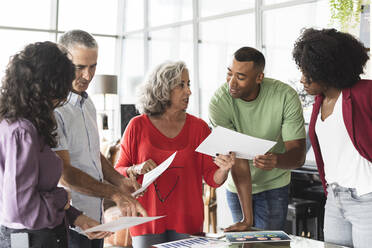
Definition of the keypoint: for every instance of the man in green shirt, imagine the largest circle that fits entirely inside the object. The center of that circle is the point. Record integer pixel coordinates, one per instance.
(257, 190)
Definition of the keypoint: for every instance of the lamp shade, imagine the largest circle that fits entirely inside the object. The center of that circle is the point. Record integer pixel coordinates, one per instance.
(104, 84)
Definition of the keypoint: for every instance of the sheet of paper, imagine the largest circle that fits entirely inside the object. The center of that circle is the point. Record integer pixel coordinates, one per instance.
(223, 140)
(122, 223)
(151, 176)
(194, 242)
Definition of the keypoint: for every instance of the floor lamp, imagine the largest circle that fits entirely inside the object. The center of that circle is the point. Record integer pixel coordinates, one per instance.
(105, 84)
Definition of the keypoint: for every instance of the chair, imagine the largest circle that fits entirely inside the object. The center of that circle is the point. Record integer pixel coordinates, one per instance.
(120, 238)
(210, 208)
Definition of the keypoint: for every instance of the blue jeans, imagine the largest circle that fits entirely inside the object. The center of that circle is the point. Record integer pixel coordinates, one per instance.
(348, 217)
(77, 240)
(269, 208)
(148, 240)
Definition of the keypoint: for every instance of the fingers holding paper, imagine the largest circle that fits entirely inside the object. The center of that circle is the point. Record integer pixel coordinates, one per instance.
(225, 163)
(142, 168)
(84, 222)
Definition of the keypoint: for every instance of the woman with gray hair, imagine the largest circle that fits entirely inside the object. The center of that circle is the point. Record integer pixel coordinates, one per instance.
(163, 128)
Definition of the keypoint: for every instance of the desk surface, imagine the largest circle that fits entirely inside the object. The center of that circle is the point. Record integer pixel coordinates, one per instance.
(296, 242)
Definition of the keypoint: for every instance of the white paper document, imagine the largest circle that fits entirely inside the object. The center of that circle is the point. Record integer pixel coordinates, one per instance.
(194, 242)
(223, 140)
(151, 176)
(121, 223)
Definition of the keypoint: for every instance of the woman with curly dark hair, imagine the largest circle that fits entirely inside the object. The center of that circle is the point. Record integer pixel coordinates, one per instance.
(37, 80)
(340, 130)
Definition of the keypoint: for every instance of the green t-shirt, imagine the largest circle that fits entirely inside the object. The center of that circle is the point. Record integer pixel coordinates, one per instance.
(276, 115)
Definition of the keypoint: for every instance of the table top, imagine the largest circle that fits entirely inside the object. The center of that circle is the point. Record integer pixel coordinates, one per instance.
(296, 242)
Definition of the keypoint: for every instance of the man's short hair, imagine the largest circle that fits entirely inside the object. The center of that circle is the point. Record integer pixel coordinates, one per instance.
(246, 54)
(77, 37)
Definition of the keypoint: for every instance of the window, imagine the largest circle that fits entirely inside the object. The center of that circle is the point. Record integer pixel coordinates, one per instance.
(280, 33)
(133, 67)
(169, 11)
(27, 14)
(203, 33)
(220, 38)
(13, 41)
(134, 18)
(218, 7)
(171, 44)
(94, 16)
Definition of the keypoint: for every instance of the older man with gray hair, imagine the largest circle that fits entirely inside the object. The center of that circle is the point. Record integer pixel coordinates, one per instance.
(85, 167)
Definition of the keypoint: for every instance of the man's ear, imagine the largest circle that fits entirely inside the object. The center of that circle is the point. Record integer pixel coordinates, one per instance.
(260, 77)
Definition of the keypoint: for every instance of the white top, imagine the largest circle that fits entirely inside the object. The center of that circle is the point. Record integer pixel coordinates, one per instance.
(78, 133)
(342, 162)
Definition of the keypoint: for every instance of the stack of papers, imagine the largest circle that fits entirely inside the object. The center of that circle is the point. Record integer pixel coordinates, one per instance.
(195, 242)
(223, 141)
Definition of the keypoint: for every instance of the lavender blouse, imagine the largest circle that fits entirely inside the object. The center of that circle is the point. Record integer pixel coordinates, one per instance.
(29, 174)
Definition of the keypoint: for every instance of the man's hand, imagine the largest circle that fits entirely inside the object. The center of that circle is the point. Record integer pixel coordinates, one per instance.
(266, 162)
(84, 222)
(240, 226)
(129, 185)
(128, 205)
(142, 168)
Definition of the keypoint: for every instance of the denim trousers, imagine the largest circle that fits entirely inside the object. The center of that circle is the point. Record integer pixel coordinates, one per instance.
(348, 217)
(269, 208)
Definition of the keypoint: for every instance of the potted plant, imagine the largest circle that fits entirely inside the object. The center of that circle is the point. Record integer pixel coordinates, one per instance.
(346, 12)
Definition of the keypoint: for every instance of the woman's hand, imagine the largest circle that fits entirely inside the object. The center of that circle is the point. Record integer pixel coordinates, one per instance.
(84, 222)
(142, 168)
(225, 162)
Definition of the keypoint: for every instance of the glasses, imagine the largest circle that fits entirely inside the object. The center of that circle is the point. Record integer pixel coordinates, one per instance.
(163, 197)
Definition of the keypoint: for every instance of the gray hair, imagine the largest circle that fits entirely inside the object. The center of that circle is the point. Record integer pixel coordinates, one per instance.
(154, 94)
(77, 37)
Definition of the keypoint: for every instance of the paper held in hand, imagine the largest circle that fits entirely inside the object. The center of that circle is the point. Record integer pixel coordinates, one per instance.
(151, 176)
(223, 140)
(121, 223)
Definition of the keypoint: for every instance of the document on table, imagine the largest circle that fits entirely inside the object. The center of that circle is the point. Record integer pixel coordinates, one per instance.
(151, 176)
(194, 242)
(223, 140)
(257, 236)
(121, 223)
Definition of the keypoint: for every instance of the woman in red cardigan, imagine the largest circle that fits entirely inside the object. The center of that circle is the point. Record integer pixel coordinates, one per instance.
(340, 130)
(163, 128)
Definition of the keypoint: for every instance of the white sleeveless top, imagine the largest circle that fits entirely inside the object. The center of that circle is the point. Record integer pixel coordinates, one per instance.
(342, 162)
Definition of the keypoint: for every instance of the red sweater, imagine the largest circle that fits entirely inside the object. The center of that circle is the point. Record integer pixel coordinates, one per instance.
(178, 191)
(357, 115)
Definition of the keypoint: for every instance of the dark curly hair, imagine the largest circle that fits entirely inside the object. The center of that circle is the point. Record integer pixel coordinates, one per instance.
(37, 80)
(330, 57)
